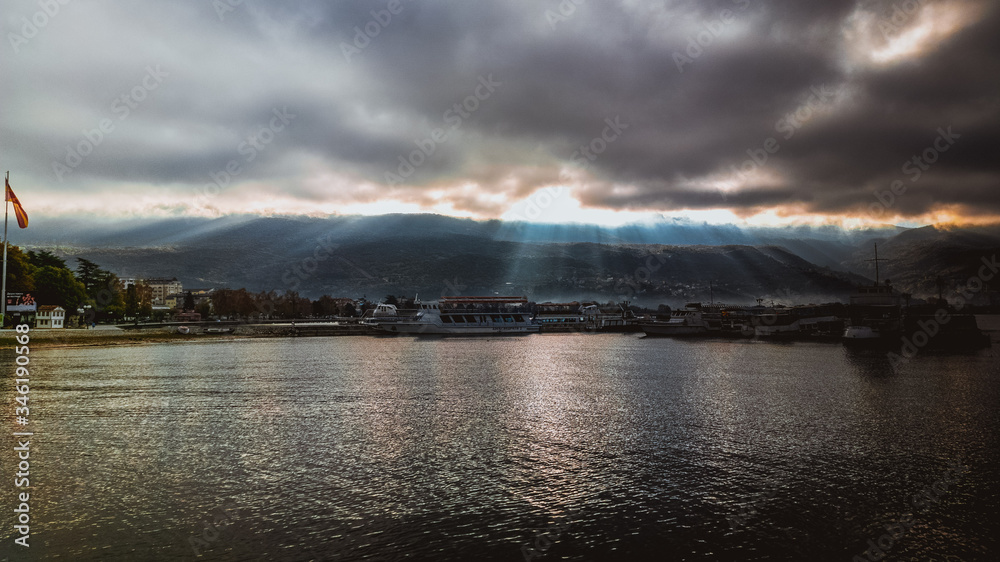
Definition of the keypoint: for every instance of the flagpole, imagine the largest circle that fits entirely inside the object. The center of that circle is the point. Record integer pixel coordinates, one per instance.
(3, 296)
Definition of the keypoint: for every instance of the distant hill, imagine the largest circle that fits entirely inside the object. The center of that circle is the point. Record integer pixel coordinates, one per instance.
(433, 255)
(918, 257)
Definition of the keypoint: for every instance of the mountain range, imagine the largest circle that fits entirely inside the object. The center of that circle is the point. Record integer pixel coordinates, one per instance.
(431, 255)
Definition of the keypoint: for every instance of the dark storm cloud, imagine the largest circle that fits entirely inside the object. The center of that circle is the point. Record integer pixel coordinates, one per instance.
(702, 88)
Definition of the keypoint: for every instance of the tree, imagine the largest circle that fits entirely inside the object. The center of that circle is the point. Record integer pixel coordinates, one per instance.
(348, 309)
(204, 308)
(325, 306)
(317, 308)
(43, 258)
(188, 301)
(263, 304)
(132, 303)
(145, 294)
(88, 273)
(106, 295)
(20, 271)
(58, 286)
(391, 299)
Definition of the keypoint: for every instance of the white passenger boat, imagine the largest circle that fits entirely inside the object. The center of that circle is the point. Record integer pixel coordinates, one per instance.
(465, 316)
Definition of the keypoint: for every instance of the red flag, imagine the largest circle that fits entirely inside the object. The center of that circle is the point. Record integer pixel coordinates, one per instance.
(22, 217)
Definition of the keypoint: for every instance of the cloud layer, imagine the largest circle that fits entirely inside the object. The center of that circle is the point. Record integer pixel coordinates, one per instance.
(878, 110)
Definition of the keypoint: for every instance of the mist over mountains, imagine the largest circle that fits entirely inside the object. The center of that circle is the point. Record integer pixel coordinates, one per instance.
(669, 261)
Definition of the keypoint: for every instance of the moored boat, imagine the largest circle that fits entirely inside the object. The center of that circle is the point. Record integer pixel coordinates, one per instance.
(876, 312)
(466, 316)
(686, 322)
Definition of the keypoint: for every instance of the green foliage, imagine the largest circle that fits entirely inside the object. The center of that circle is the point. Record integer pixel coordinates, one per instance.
(131, 302)
(107, 297)
(88, 273)
(205, 309)
(145, 294)
(20, 272)
(324, 306)
(43, 258)
(56, 285)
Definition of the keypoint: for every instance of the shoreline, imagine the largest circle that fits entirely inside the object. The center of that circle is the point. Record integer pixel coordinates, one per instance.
(114, 336)
(103, 337)
(48, 339)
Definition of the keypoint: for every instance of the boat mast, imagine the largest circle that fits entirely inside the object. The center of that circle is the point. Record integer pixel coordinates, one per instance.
(876, 260)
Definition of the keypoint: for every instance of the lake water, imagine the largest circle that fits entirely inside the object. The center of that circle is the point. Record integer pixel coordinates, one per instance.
(543, 447)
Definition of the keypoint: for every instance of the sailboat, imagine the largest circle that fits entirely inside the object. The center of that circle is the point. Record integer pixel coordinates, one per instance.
(876, 311)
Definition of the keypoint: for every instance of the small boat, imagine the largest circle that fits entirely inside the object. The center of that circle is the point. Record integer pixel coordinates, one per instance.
(621, 320)
(183, 330)
(685, 322)
(797, 322)
(383, 314)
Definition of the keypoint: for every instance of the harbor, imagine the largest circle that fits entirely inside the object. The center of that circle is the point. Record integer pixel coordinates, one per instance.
(853, 324)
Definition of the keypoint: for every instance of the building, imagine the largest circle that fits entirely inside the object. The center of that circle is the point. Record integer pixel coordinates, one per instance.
(50, 316)
(162, 288)
(173, 300)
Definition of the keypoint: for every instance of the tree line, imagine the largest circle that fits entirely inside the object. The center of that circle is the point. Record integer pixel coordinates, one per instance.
(49, 280)
(244, 304)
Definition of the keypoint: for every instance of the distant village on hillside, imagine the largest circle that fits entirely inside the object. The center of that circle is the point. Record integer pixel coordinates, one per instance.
(45, 292)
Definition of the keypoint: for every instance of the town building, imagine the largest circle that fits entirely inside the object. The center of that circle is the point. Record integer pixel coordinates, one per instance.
(162, 288)
(50, 316)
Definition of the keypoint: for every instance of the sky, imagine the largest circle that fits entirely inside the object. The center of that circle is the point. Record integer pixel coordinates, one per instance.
(746, 111)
